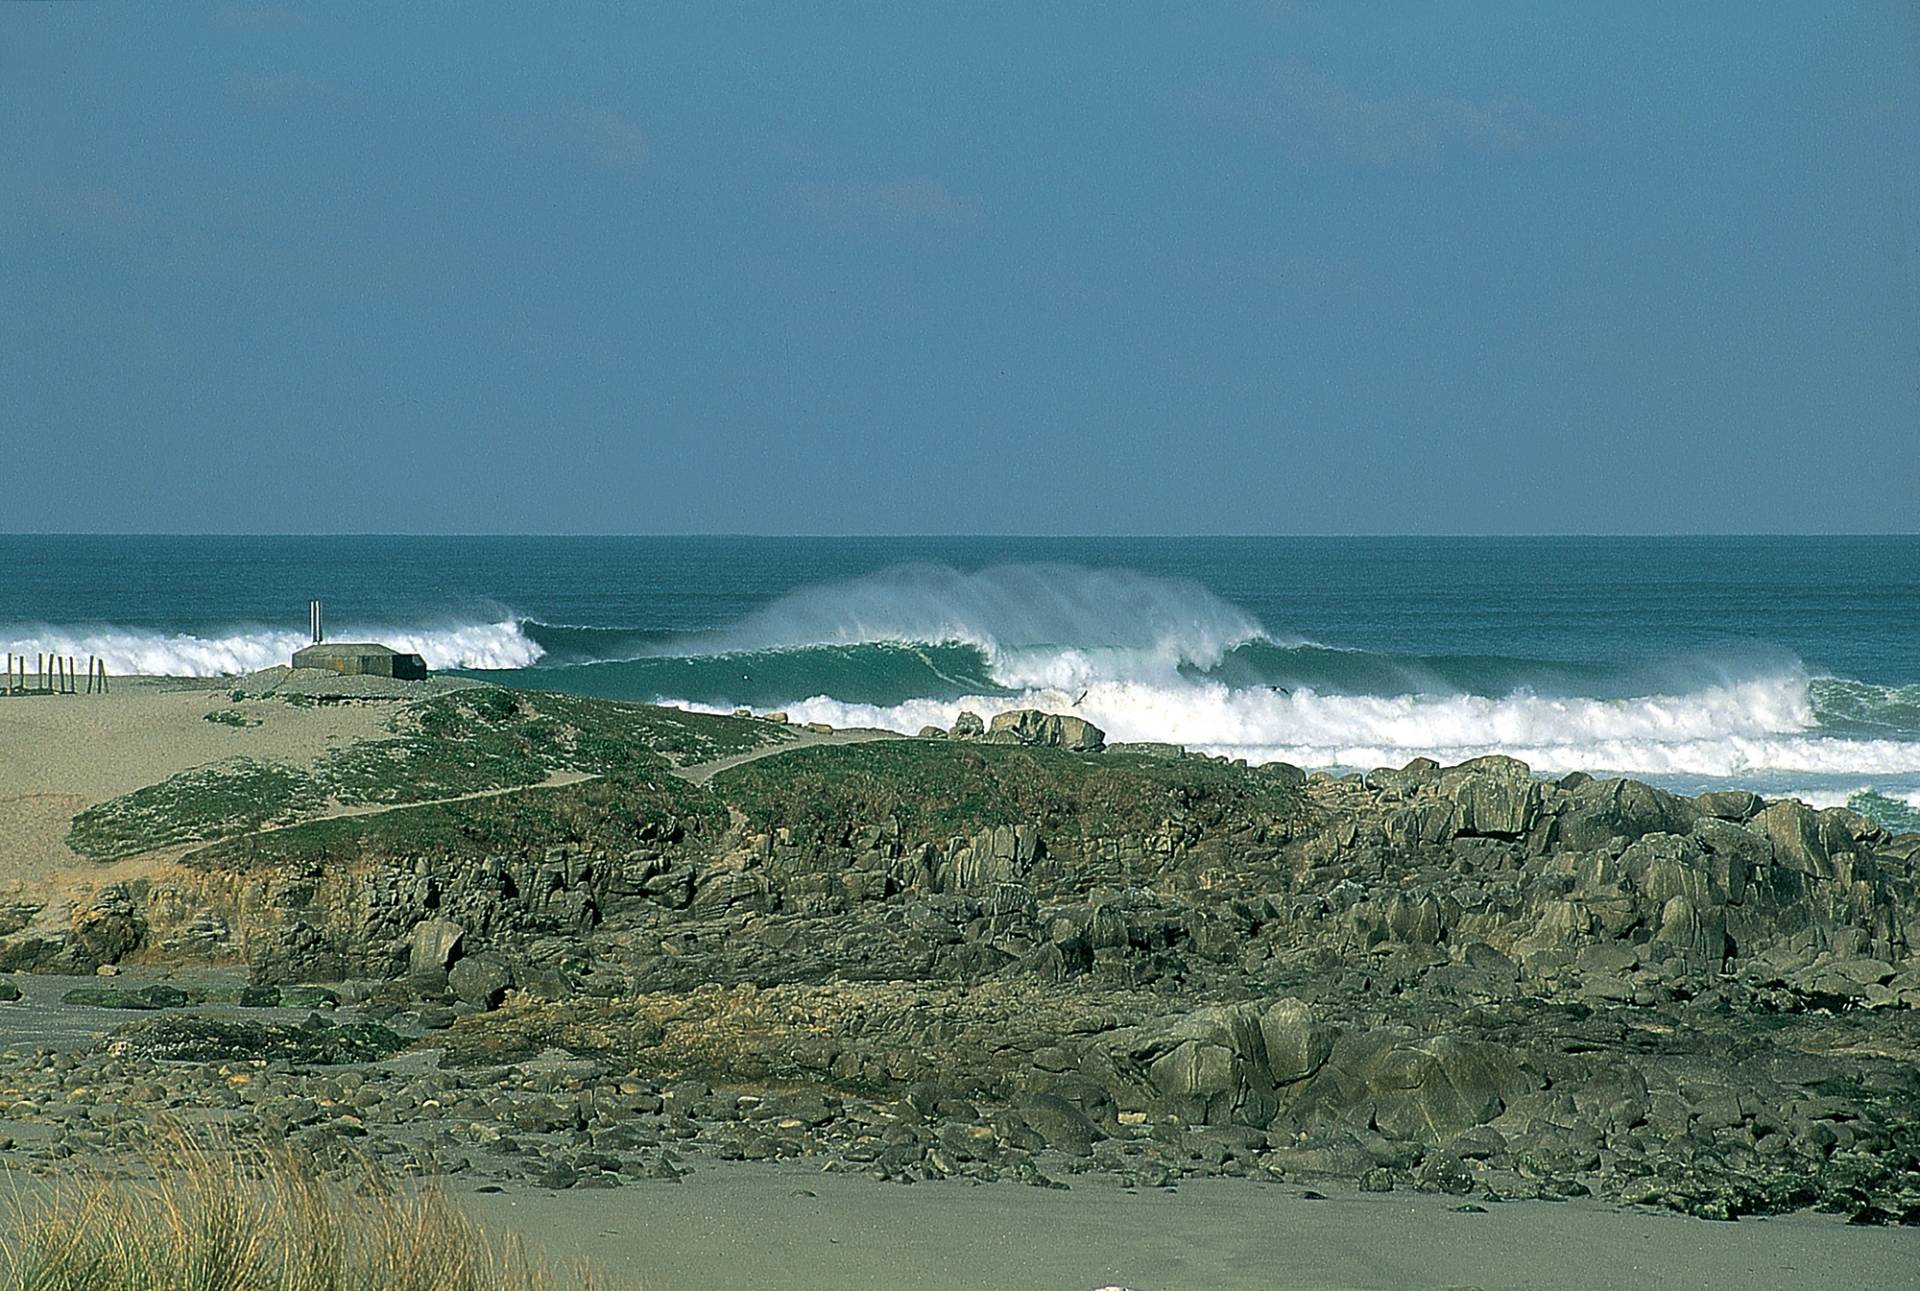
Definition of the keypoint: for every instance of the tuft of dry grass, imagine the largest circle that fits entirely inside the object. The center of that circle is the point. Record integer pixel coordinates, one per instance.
(208, 1217)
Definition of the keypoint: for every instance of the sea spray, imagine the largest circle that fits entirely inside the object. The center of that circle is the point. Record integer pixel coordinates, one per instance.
(1764, 726)
(248, 649)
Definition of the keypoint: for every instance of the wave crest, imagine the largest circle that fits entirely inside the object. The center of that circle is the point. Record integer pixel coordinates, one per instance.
(130, 652)
(1037, 624)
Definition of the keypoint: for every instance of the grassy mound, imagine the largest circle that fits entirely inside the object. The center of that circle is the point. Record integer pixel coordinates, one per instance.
(467, 742)
(937, 789)
(207, 802)
(208, 1220)
(612, 813)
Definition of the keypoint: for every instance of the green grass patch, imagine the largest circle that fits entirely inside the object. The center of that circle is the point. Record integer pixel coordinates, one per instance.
(613, 813)
(466, 742)
(938, 789)
(230, 797)
(490, 738)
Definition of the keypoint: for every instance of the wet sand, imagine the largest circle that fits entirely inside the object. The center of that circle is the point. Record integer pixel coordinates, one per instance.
(750, 1226)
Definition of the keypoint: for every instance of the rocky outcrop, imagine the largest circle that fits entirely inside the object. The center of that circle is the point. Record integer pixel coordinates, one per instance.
(1036, 729)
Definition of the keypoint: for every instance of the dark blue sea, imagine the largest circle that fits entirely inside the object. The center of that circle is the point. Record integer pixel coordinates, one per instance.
(1784, 664)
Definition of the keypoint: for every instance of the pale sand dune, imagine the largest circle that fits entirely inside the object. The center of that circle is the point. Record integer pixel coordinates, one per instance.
(743, 1226)
(62, 753)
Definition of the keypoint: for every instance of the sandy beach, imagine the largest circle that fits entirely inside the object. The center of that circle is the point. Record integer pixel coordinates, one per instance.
(63, 753)
(747, 1227)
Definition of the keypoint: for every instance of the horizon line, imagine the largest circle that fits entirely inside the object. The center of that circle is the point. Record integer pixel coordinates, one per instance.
(990, 535)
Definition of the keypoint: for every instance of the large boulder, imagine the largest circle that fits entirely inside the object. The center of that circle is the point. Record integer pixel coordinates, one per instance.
(432, 946)
(1735, 853)
(1432, 822)
(1794, 830)
(1737, 805)
(1694, 931)
(110, 926)
(1596, 811)
(1663, 866)
(1210, 1067)
(479, 980)
(1495, 796)
(1427, 1089)
(1036, 729)
(1296, 1041)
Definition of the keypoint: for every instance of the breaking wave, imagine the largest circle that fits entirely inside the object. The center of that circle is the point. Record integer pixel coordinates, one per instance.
(1153, 658)
(1766, 726)
(1162, 659)
(248, 649)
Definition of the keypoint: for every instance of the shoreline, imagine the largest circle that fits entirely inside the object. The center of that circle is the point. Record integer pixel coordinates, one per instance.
(554, 949)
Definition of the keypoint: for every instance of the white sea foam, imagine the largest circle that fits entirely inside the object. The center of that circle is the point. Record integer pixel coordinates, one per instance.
(1760, 726)
(1831, 797)
(1038, 624)
(138, 653)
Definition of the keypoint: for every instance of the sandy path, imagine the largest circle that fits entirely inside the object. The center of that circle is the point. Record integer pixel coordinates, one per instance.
(701, 772)
(744, 1226)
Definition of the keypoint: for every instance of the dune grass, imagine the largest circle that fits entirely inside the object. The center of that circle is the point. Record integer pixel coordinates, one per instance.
(208, 1217)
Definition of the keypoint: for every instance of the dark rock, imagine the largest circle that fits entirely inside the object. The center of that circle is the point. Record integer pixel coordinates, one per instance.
(479, 980)
(184, 1038)
(309, 997)
(111, 926)
(1061, 1125)
(157, 996)
(1736, 805)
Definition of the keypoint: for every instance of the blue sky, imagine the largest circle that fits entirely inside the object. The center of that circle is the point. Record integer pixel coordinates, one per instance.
(1249, 268)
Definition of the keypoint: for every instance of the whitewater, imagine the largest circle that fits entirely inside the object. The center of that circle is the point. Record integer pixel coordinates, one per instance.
(1784, 665)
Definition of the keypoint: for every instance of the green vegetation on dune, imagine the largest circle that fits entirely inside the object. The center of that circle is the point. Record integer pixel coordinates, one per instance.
(207, 802)
(937, 789)
(611, 813)
(465, 742)
(488, 738)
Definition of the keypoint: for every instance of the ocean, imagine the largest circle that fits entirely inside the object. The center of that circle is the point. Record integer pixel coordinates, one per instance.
(1789, 665)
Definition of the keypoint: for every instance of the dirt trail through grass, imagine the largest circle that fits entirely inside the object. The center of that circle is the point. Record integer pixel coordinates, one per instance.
(701, 772)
